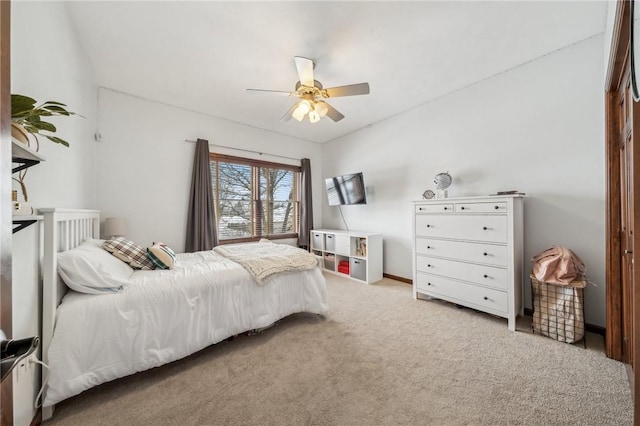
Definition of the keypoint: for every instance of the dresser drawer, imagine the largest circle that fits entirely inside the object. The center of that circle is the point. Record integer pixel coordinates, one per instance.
(489, 276)
(491, 254)
(434, 208)
(495, 208)
(463, 293)
(489, 228)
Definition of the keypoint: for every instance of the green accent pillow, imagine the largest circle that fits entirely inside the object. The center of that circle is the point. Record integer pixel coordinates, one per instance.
(161, 255)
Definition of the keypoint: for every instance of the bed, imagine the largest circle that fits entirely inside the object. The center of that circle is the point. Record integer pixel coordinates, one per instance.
(161, 315)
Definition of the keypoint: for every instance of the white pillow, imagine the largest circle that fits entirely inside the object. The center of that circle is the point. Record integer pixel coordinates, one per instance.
(91, 269)
(94, 242)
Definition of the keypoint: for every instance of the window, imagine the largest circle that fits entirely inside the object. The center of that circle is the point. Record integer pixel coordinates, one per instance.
(254, 199)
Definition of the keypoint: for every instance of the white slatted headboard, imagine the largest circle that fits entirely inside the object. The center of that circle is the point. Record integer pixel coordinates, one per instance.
(64, 229)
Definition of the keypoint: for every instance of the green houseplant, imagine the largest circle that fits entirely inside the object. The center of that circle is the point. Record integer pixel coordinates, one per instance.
(29, 118)
(26, 113)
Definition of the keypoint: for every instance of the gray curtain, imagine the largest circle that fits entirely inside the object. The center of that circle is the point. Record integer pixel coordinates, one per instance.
(306, 206)
(201, 220)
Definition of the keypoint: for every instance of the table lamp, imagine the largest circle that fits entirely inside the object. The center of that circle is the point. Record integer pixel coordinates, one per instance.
(115, 227)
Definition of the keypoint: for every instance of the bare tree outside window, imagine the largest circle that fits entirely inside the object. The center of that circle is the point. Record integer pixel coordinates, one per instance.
(255, 201)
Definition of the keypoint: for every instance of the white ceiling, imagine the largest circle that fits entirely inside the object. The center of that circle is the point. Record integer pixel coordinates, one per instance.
(203, 55)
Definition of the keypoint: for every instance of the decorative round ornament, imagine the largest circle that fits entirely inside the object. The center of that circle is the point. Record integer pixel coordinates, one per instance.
(428, 194)
(443, 180)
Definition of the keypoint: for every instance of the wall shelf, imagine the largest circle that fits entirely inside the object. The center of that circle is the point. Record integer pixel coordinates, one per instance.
(26, 157)
(23, 155)
(21, 222)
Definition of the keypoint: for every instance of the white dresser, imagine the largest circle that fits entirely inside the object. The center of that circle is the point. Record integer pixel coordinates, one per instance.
(469, 251)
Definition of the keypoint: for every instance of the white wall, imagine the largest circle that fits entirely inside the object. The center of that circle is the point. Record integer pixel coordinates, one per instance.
(145, 165)
(537, 128)
(612, 7)
(48, 64)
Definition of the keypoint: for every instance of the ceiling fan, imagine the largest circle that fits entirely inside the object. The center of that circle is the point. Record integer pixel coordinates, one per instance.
(312, 94)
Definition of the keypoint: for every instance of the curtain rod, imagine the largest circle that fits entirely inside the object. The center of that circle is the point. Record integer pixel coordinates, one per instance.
(246, 150)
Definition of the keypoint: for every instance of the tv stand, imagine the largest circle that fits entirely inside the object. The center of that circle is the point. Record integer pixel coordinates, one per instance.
(356, 255)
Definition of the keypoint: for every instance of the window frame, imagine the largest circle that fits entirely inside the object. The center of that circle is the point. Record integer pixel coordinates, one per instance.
(255, 183)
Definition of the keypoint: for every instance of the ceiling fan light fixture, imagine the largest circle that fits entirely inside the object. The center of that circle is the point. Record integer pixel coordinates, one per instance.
(312, 94)
(322, 108)
(297, 113)
(304, 107)
(314, 117)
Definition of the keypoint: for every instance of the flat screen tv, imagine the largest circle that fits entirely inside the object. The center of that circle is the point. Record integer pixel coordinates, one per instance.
(346, 190)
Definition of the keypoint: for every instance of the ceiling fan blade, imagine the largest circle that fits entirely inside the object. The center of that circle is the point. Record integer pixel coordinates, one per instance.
(289, 114)
(349, 90)
(273, 92)
(305, 70)
(333, 113)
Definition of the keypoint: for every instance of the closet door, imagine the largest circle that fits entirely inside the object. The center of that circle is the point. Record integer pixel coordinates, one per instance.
(623, 206)
(627, 202)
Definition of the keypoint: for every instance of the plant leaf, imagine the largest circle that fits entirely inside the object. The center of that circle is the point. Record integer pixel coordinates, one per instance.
(43, 125)
(54, 103)
(31, 128)
(57, 140)
(21, 104)
(58, 110)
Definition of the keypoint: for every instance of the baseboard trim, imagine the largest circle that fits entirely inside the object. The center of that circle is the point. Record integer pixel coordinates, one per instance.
(596, 329)
(397, 278)
(588, 327)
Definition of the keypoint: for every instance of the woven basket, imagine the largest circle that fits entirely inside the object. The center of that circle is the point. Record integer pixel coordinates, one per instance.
(558, 311)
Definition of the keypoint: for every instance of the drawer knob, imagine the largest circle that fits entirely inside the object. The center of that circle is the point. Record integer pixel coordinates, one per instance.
(428, 265)
(462, 208)
(420, 208)
(428, 247)
(428, 283)
(484, 228)
(428, 226)
(496, 207)
(486, 276)
(485, 298)
(485, 253)
(445, 208)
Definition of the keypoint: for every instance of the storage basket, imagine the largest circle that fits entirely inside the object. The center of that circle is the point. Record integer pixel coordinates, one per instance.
(558, 310)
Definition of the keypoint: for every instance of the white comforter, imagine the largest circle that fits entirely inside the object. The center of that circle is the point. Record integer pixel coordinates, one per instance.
(166, 315)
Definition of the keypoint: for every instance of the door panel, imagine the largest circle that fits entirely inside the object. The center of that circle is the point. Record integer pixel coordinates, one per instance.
(627, 116)
(623, 207)
(626, 220)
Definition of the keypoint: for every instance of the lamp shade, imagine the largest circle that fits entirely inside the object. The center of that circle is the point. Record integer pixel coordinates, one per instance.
(298, 114)
(314, 117)
(115, 227)
(322, 108)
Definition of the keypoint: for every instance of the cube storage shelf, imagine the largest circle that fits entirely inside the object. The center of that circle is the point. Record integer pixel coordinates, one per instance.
(357, 255)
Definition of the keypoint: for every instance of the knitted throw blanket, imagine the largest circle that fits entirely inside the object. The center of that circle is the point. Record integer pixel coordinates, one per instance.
(265, 259)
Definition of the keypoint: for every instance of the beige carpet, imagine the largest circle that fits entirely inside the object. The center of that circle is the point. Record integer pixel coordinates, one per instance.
(377, 358)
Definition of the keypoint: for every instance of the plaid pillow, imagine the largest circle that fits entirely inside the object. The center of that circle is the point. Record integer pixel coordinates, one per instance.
(129, 252)
(161, 255)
